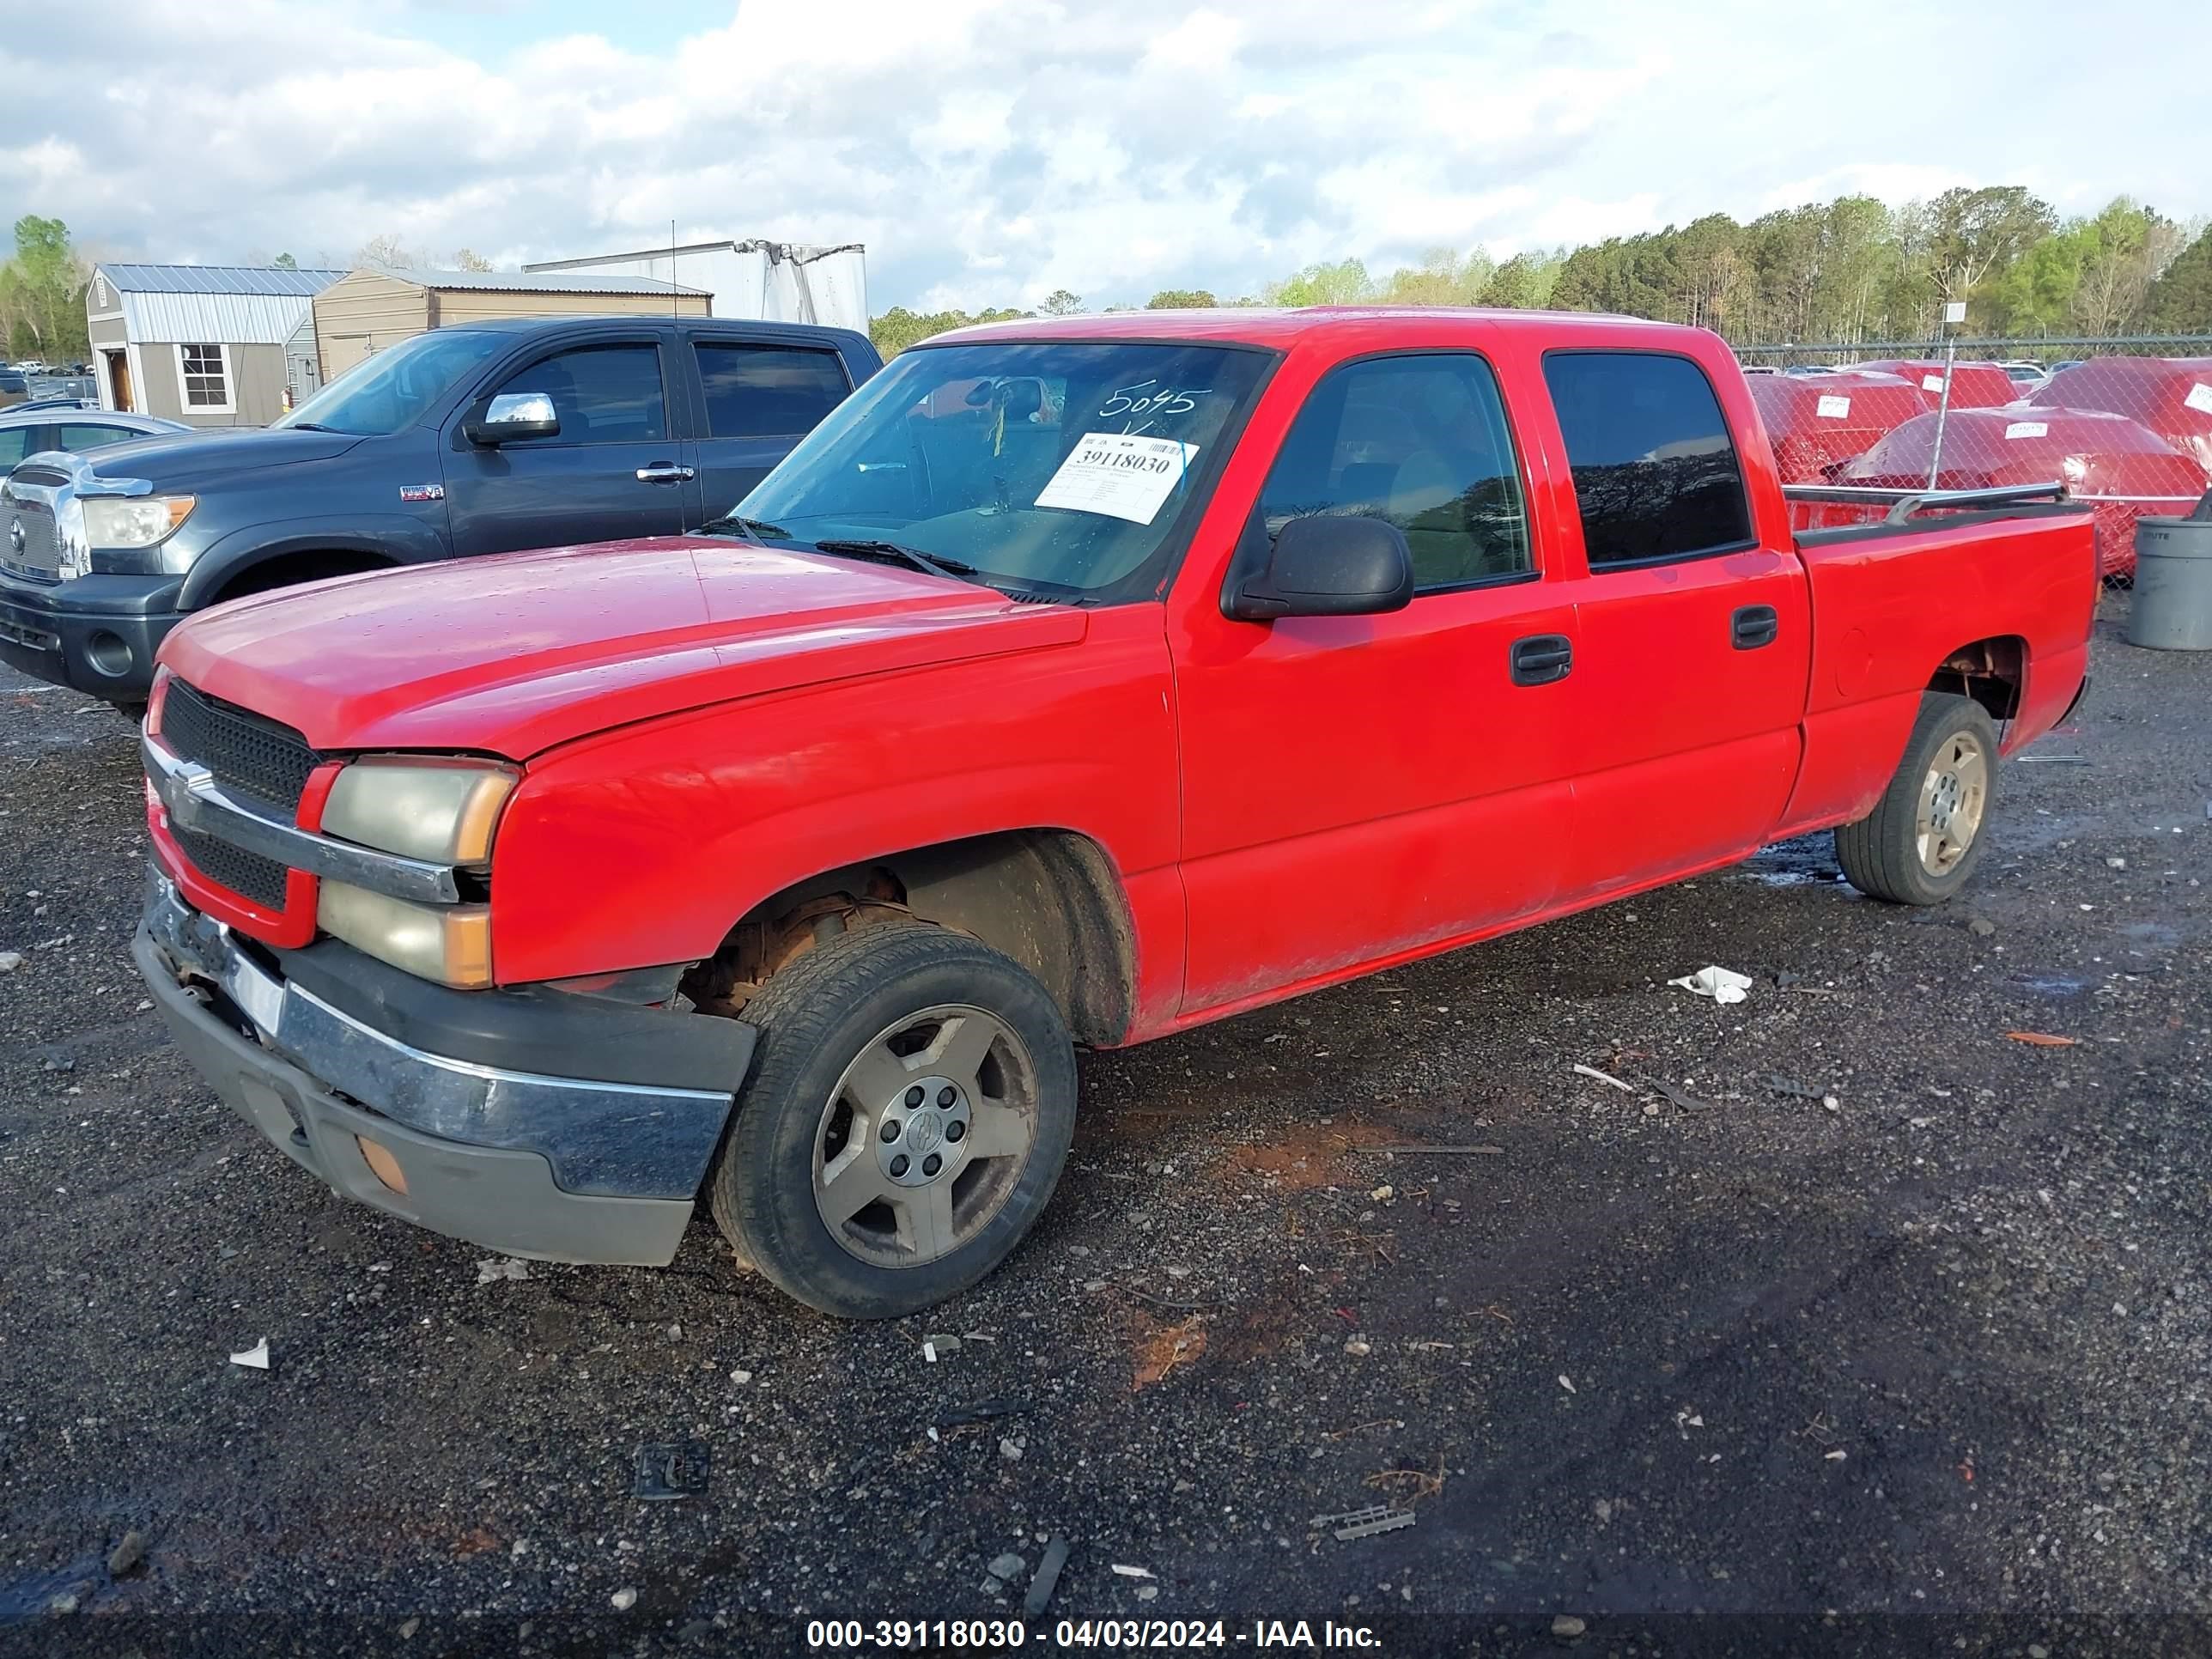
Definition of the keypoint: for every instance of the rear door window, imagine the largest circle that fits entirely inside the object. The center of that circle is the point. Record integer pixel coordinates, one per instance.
(768, 391)
(1655, 467)
(91, 434)
(15, 443)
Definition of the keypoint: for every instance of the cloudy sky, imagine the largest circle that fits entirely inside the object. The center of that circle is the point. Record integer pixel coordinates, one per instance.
(987, 154)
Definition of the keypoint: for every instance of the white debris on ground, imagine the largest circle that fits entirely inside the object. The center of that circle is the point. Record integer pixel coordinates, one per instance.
(499, 1268)
(255, 1358)
(1607, 1077)
(1722, 985)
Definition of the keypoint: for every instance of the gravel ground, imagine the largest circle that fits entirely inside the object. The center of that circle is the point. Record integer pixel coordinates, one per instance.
(1921, 1365)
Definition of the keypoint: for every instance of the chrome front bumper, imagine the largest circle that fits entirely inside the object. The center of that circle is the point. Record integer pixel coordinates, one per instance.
(564, 1168)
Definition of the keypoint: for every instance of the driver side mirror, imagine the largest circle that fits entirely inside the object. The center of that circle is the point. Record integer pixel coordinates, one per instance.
(1328, 567)
(511, 416)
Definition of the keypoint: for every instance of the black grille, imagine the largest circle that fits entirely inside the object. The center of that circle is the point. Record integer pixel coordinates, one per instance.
(242, 749)
(247, 874)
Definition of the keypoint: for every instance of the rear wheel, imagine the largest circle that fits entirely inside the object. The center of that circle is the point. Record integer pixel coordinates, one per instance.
(910, 1107)
(1924, 835)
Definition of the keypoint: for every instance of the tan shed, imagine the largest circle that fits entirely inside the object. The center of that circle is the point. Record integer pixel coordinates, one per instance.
(366, 311)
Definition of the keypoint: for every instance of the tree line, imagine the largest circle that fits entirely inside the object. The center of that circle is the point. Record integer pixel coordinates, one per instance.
(42, 295)
(1845, 271)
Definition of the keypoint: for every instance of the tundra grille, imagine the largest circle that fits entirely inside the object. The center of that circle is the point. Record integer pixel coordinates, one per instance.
(28, 546)
(244, 751)
(247, 874)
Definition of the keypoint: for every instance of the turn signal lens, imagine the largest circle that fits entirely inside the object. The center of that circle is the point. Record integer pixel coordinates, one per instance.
(448, 943)
(381, 1164)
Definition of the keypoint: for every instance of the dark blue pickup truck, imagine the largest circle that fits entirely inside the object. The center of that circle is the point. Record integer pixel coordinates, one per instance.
(474, 439)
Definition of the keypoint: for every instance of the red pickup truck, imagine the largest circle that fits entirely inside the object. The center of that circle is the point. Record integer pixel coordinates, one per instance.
(1076, 683)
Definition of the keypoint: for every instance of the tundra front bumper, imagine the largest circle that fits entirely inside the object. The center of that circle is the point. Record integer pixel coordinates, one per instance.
(97, 634)
(564, 1168)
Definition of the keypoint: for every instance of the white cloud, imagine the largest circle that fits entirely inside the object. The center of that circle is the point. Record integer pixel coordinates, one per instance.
(988, 153)
(1205, 39)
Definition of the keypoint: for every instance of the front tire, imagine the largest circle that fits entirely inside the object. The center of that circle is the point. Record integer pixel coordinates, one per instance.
(1924, 835)
(911, 1105)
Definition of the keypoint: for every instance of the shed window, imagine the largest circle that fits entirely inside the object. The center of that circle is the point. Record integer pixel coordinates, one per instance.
(201, 368)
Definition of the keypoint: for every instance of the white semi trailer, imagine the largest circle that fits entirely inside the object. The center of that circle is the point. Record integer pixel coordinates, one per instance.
(773, 282)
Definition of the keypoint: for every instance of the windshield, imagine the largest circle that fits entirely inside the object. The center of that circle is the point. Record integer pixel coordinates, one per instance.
(1058, 465)
(394, 389)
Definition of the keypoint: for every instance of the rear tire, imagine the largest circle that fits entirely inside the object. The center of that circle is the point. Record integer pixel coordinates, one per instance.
(1924, 835)
(821, 1182)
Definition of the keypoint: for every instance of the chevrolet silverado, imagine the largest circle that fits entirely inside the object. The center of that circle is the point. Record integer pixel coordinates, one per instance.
(1075, 682)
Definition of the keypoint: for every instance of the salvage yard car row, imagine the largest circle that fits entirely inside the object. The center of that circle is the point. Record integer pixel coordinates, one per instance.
(2130, 435)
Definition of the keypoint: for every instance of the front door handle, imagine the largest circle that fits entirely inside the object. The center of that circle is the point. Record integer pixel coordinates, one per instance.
(664, 472)
(1540, 658)
(1752, 626)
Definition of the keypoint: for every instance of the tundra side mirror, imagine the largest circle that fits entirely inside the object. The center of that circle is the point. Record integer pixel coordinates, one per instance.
(1328, 567)
(514, 415)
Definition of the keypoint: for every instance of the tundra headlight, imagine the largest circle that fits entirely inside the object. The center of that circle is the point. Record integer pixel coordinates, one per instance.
(441, 810)
(448, 943)
(133, 520)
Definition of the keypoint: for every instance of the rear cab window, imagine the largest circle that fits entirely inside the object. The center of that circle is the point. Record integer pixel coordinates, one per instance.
(1655, 471)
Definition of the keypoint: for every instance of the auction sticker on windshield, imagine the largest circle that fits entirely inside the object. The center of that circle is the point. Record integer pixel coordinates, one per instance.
(1122, 475)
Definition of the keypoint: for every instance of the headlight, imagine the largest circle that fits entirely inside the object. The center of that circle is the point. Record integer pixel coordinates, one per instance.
(133, 520)
(448, 943)
(440, 811)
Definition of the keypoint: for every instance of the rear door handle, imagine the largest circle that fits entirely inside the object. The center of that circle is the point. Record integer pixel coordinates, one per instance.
(1540, 658)
(664, 472)
(1752, 626)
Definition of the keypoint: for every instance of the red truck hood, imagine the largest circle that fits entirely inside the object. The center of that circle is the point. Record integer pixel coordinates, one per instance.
(514, 654)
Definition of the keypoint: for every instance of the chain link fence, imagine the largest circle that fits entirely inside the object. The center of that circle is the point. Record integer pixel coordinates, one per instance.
(2124, 424)
(2045, 351)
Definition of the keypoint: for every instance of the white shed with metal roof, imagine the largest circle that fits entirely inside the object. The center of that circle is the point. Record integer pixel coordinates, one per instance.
(199, 344)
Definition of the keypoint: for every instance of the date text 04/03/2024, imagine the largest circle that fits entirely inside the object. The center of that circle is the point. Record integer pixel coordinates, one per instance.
(1293, 1633)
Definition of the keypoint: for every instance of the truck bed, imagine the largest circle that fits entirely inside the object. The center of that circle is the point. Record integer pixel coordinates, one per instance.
(2022, 568)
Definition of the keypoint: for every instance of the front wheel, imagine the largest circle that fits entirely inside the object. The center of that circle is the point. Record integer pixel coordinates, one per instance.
(911, 1103)
(1925, 833)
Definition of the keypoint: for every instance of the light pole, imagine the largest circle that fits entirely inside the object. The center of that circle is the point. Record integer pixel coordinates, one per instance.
(1954, 313)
